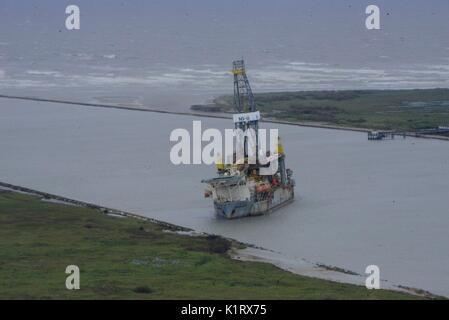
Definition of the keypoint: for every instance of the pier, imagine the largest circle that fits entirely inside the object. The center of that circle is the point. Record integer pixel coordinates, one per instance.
(441, 130)
(383, 135)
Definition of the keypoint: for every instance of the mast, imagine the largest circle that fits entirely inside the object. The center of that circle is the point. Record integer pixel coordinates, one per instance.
(244, 103)
(243, 95)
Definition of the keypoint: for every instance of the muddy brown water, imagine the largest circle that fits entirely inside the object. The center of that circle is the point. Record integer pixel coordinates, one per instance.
(358, 202)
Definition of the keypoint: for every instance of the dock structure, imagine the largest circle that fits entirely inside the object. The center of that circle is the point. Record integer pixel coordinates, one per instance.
(383, 135)
(441, 130)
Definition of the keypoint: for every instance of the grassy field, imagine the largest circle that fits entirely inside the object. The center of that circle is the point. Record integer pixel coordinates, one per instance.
(128, 258)
(402, 110)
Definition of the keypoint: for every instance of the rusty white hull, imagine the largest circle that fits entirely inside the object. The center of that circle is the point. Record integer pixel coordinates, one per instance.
(240, 209)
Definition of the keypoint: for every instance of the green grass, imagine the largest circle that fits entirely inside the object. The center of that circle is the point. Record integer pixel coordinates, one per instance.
(402, 110)
(127, 258)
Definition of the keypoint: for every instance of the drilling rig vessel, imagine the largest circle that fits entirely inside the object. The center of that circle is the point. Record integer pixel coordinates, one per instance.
(240, 190)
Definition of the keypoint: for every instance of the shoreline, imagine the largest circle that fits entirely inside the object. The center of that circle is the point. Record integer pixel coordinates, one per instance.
(249, 252)
(209, 115)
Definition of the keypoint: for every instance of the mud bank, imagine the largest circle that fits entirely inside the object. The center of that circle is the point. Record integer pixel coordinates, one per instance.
(109, 211)
(319, 270)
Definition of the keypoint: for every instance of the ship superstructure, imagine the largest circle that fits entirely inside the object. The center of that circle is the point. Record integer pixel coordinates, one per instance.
(240, 189)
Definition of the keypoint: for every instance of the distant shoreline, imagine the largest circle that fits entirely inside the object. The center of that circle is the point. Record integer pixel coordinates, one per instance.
(221, 115)
(406, 111)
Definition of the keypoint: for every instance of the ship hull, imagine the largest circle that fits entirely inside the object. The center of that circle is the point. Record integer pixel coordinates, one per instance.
(246, 208)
